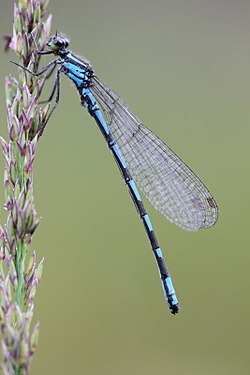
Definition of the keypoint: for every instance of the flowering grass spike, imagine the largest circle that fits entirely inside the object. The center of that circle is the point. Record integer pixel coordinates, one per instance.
(20, 276)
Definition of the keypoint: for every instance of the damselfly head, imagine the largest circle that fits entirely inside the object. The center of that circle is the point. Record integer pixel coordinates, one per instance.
(58, 42)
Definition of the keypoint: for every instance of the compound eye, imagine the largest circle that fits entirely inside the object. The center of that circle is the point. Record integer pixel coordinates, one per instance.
(59, 43)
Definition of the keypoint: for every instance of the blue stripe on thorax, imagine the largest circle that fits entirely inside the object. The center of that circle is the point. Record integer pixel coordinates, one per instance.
(76, 59)
(78, 81)
(76, 70)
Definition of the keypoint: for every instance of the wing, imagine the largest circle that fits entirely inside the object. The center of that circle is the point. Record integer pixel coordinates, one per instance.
(166, 181)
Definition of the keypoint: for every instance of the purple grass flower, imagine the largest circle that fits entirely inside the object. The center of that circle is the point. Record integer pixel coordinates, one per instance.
(20, 273)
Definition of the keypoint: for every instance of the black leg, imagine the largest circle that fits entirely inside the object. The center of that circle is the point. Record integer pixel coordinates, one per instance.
(51, 95)
(47, 76)
(57, 90)
(40, 72)
(44, 52)
(37, 50)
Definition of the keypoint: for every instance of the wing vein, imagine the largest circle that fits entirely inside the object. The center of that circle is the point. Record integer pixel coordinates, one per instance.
(166, 181)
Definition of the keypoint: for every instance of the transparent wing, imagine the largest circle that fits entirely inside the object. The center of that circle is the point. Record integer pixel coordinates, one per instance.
(162, 176)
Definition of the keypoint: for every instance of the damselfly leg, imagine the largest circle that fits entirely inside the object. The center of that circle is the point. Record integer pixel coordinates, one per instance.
(55, 90)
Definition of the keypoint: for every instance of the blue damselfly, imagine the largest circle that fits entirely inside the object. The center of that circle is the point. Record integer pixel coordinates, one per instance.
(141, 156)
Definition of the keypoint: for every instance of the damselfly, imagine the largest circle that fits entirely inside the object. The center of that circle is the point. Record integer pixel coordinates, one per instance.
(141, 156)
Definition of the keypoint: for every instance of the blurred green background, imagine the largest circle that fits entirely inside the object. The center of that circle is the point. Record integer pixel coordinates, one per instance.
(184, 68)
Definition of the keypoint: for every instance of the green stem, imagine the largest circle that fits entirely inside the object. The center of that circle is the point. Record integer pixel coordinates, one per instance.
(18, 370)
(19, 263)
